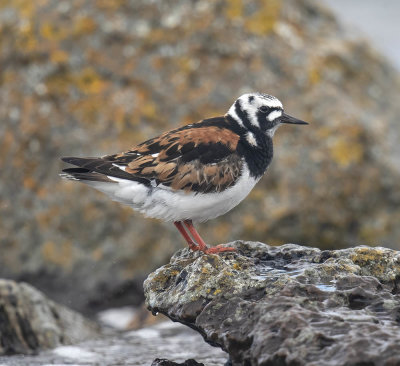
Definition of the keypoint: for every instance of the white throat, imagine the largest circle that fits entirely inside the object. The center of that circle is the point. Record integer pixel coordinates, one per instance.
(272, 130)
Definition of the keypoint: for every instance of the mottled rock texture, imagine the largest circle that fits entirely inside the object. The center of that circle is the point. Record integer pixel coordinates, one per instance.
(287, 305)
(95, 77)
(30, 322)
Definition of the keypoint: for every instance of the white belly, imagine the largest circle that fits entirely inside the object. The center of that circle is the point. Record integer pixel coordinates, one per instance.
(175, 206)
(163, 203)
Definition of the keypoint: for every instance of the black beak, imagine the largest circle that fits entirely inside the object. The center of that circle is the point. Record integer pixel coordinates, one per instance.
(285, 118)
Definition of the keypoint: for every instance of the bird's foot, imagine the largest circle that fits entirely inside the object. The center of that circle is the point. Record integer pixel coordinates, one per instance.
(193, 246)
(218, 249)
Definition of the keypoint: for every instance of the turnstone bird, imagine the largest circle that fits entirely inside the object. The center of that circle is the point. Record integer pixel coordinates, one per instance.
(193, 173)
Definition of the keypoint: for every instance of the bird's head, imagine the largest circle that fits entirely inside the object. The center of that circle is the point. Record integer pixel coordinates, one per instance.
(256, 111)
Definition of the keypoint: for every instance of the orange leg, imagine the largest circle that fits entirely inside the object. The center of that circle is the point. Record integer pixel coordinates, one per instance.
(202, 245)
(219, 248)
(196, 236)
(191, 243)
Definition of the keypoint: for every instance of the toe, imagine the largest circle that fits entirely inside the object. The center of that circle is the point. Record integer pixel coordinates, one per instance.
(219, 249)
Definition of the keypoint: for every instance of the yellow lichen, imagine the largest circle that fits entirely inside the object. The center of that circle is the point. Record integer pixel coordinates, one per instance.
(264, 19)
(58, 84)
(346, 151)
(25, 40)
(148, 109)
(234, 9)
(368, 254)
(371, 258)
(261, 21)
(26, 8)
(217, 291)
(84, 25)
(236, 266)
(314, 75)
(59, 56)
(89, 81)
(53, 32)
(59, 254)
(110, 5)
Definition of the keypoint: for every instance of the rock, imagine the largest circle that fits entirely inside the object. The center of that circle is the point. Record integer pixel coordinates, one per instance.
(30, 322)
(287, 305)
(165, 362)
(95, 77)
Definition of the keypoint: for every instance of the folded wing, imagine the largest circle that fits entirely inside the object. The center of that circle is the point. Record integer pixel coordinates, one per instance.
(200, 157)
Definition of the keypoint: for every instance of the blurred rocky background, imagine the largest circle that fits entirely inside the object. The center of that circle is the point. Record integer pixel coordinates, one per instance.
(96, 77)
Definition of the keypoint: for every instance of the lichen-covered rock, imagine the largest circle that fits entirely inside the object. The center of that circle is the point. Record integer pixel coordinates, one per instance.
(96, 77)
(287, 305)
(29, 321)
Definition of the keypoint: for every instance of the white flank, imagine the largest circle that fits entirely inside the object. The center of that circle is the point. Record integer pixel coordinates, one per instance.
(170, 205)
(162, 203)
(155, 155)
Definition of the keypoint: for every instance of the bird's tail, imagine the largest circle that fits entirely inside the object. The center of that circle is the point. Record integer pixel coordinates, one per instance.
(83, 174)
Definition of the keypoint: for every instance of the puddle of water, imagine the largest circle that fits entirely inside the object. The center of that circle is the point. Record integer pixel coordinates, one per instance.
(265, 271)
(326, 288)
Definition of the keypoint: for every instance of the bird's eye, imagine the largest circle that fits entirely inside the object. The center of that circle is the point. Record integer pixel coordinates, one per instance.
(264, 109)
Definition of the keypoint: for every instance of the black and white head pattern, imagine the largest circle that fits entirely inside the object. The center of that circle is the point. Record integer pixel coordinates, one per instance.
(257, 112)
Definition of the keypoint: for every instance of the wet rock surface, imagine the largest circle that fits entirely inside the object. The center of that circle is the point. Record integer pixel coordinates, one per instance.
(29, 321)
(134, 348)
(287, 305)
(165, 362)
(96, 77)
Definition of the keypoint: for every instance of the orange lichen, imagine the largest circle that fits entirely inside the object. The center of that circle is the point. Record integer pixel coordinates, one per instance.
(234, 9)
(89, 81)
(83, 25)
(53, 32)
(59, 254)
(59, 56)
(314, 75)
(346, 152)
